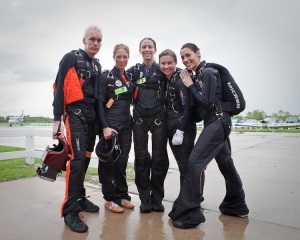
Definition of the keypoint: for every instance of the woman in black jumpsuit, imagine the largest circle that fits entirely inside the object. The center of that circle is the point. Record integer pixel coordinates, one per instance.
(149, 115)
(181, 127)
(213, 142)
(114, 95)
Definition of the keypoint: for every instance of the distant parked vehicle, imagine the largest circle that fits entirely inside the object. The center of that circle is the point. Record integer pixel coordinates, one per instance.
(292, 120)
(272, 120)
(249, 123)
(234, 122)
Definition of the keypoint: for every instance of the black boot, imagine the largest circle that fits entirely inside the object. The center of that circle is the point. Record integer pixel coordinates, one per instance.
(74, 222)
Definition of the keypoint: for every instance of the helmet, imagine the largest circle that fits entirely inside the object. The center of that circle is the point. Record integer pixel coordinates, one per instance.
(108, 150)
(54, 159)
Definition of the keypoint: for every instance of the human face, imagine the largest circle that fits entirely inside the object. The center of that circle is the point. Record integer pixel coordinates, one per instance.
(190, 59)
(167, 65)
(121, 59)
(92, 43)
(147, 49)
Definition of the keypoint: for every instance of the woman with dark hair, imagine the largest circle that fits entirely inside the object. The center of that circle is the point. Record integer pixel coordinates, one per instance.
(181, 126)
(149, 115)
(213, 142)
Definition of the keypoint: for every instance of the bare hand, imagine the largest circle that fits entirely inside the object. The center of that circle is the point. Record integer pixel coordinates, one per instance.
(186, 78)
(56, 131)
(107, 132)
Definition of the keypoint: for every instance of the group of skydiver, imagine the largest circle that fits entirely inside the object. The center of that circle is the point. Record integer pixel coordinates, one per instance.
(167, 102)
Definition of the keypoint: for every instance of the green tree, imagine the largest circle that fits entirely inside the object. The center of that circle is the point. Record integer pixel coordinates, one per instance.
(256, 114)
(282, 114)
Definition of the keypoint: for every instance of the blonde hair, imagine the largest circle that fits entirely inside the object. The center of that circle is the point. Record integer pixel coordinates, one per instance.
(90, 28)
(120, 46)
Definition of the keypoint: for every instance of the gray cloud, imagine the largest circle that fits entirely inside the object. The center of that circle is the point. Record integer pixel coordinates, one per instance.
(258, 41)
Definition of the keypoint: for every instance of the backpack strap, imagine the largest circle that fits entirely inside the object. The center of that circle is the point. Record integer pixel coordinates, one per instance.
(80, 64)
(81, 71)
(218, 104)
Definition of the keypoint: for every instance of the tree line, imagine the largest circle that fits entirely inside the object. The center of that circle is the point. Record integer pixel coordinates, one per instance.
(260, 115)
(256, 114)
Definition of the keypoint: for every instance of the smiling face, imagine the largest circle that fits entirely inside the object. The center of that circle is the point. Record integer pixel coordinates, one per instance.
(190, 59)
(121, 56)
(147, 49)
(92, 42)
(167, 65)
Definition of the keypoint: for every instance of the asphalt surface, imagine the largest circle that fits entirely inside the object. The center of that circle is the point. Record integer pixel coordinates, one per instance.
(267, 162)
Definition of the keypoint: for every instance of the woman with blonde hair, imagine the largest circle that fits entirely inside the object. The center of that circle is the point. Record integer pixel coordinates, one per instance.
(114, 97)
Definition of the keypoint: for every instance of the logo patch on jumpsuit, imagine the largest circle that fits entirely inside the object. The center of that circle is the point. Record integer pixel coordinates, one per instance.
(78, 144)
(118, 83)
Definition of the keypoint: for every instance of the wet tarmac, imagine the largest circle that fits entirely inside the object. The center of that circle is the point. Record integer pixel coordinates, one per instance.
(267, 162)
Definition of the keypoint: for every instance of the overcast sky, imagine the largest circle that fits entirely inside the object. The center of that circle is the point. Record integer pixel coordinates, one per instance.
(257, 40)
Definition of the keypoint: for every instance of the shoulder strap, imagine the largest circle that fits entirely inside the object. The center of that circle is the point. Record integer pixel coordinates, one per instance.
(109, 74)
(97, 64)
(137, 66)
(80, 63)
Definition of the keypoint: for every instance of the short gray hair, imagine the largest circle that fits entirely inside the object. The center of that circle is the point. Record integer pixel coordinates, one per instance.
(90, 28)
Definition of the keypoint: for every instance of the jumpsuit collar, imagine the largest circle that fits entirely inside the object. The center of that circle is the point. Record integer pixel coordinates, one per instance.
(85, 55)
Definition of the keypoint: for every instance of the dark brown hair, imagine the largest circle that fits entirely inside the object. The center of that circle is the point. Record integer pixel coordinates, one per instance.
(147, 38)
(168, 52)
(191, 46)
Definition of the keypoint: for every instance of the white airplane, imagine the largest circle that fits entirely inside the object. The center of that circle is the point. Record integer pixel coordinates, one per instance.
(251, 123)
(16, 119)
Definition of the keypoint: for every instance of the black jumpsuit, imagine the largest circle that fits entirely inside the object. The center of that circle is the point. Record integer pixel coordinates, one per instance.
(80, 125)
(112, 176)
(213, 142)
(179, 116)
(149, 114)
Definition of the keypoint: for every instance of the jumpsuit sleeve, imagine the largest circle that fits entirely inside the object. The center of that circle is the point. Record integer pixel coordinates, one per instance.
(205, 94)
(67, 62)
(130, 71)
(184, 97)
(100, 95)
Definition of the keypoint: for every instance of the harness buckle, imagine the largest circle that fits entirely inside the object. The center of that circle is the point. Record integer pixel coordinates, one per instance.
(139, 121)
(116, 97)
(81, 72)
(77, 111)
(173, 107)
(157, 121)
(110, 75)
(88, 74)
(158, 93)
(219, 115)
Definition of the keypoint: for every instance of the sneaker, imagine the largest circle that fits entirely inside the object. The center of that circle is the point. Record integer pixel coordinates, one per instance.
(74, 222)
(113, 207)
(87, 206)
(127, 204)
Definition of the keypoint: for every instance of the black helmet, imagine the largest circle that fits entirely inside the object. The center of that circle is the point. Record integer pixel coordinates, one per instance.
(54, 159)
(108, 150)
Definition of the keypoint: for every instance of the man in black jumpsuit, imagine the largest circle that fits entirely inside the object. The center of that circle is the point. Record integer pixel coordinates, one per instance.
(74, 101)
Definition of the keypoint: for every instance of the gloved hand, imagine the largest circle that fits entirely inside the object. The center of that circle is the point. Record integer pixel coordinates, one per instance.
(178, 137)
